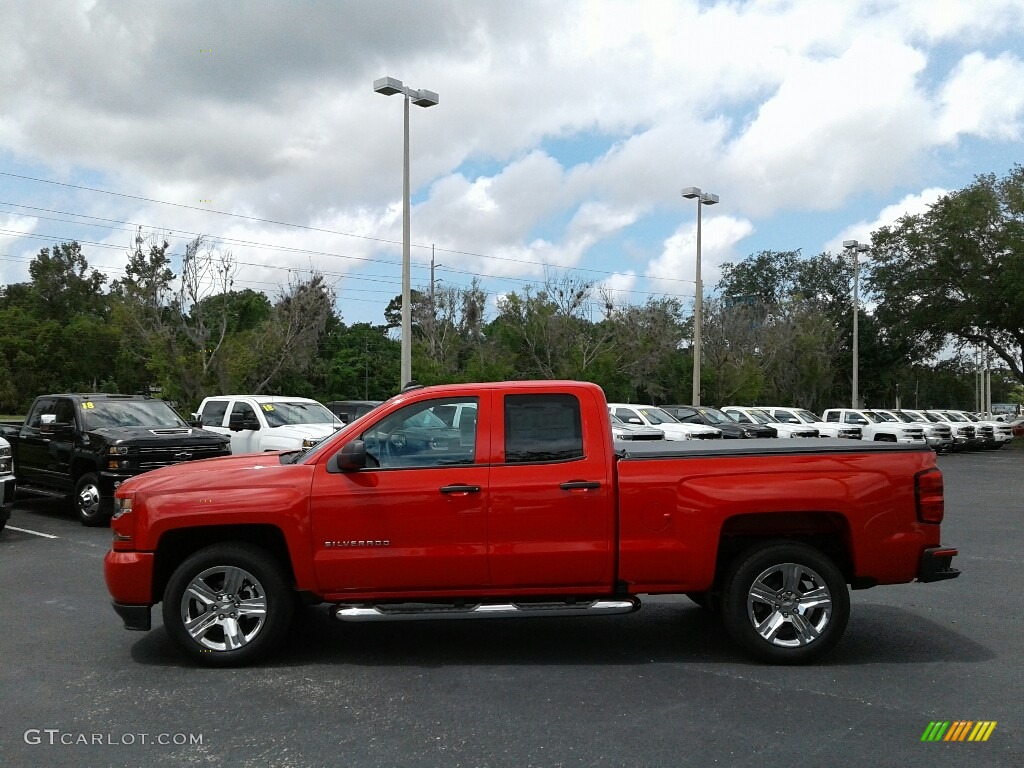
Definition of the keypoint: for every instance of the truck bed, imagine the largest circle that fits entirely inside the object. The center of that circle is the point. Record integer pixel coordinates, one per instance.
(682, 449)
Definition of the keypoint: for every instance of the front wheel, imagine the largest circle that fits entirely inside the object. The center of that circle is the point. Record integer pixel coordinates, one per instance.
(785, 603)
(228, 605)
(87, 501)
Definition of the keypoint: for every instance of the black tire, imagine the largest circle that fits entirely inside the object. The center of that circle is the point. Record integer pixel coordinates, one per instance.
(86, 501)
(794, 592)
(229, 628)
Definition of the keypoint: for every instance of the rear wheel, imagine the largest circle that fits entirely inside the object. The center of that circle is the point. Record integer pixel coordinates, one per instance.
(228, 605)
(87, 501)
(785, 603)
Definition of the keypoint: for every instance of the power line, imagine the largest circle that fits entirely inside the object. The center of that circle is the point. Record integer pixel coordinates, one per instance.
(313, 229)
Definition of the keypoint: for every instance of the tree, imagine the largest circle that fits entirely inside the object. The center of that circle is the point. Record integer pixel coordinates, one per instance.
(549, 330)
(955, 274)
(287, 342)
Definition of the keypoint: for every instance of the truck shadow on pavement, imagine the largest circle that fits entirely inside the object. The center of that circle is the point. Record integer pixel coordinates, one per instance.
(662, 632)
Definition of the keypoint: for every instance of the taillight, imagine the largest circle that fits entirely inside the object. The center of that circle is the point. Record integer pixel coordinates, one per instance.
(928, 496)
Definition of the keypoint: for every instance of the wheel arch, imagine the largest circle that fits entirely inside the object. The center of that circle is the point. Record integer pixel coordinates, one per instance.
(828, 532)
(177, 545)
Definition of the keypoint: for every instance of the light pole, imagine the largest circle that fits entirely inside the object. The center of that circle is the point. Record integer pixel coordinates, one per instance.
(855, 248)
(703, 198)
(421, 98)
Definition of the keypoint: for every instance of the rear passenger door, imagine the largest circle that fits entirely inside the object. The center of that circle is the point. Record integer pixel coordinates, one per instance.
(551, 517)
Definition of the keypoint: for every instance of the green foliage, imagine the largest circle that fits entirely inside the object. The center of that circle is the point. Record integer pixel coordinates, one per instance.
(781, 331)
(955, 274)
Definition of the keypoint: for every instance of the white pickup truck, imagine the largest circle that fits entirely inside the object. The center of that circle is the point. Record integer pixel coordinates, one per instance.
(6, 482)
(874, 427)
(803, 417)
(258, 423)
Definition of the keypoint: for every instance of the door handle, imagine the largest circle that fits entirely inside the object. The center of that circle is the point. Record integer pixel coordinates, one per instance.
(580, 485)
(460, 489)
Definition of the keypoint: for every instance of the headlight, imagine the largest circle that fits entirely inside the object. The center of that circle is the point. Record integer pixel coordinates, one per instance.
(121, 506)
(5, 451)
(117, 450)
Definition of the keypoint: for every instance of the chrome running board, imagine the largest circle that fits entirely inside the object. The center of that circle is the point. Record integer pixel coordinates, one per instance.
(422, 611)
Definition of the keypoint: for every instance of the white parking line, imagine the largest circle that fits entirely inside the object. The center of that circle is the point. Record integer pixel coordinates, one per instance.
(34, 533)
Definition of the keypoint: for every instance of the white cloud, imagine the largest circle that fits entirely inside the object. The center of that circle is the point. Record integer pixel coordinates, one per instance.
(675, 270)
(984, 97)
(911, 205)
(561, 126)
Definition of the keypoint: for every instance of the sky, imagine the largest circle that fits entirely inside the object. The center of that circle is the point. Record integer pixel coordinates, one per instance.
(564, 133)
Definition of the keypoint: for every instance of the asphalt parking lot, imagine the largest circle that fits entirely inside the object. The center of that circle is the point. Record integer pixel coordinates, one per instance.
(662, 687)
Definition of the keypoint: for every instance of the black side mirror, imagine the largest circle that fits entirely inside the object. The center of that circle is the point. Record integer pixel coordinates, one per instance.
(237, 422)
(196, 421)
(351, 457)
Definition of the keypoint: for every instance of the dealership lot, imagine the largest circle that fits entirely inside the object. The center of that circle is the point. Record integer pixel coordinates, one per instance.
(662, 687)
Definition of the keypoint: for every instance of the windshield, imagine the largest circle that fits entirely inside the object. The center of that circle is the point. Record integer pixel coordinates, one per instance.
(762, 417)
(616, 421)
(129, 413)
(972, 417)
(280, 413)
(658, 416)
(950, 416)
(806, 416)
(715, 416)
(885, 416)
(909, 417)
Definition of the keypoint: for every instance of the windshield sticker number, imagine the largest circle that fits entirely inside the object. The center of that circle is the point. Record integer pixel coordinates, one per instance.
(87, 405)
(268, 407)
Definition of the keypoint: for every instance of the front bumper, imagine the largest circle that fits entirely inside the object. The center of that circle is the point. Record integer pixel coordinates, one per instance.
(129, 577)
(940, 443)
(936, 564)
(7, 487)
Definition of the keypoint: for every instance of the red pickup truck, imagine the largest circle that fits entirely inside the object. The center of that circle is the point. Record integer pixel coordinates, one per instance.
(528, 508)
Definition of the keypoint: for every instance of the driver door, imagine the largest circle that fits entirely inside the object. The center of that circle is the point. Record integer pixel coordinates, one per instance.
(414, 519)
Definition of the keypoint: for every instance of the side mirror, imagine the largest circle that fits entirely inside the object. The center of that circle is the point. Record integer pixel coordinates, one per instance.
(196, 421)
(635, 420)
(238, 423)
(351, 457)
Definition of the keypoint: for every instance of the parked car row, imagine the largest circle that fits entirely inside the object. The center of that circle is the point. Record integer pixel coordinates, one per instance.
(942, 430)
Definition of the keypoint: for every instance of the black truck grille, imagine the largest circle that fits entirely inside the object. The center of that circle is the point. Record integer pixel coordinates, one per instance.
(165, 455)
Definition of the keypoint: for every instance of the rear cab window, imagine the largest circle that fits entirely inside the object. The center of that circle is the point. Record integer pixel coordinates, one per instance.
(542, 428)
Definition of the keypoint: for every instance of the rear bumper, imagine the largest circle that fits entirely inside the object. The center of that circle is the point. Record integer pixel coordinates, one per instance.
(936, 564)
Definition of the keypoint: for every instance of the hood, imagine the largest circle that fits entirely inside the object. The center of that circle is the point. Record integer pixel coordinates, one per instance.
(156, 436)
(249, 470)
(315, 431)
(688, 429)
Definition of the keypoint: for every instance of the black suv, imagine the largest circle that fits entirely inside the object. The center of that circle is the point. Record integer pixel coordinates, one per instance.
(83, 446)
(698, 414)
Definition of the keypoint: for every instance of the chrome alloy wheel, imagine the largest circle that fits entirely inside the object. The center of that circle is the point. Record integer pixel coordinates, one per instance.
(88, 500)
(224, 608)
(789, 605)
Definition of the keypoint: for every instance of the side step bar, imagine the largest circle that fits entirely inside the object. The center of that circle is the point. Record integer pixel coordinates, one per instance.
(41, 491)
(421, 611)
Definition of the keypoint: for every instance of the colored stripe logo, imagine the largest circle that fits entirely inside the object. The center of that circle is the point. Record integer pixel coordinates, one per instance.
(958, 730)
